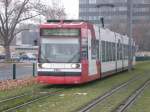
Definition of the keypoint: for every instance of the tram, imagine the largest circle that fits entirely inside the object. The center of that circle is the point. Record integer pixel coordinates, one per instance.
(76, 52)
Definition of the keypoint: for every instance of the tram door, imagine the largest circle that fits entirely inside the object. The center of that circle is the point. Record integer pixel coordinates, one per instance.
(91, 56)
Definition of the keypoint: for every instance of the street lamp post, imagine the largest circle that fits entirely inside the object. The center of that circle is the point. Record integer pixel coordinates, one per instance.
(103, 5)
(102, 19)
(129, 30)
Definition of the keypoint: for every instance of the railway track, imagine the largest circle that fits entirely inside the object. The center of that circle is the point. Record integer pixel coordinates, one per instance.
(99, 99)
(28, 98)
(123, 106)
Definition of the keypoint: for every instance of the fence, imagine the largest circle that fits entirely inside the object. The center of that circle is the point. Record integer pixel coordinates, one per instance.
(143, 58)
(17, 70)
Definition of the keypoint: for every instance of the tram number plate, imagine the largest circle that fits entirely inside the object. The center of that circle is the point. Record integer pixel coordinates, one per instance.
(56, 70)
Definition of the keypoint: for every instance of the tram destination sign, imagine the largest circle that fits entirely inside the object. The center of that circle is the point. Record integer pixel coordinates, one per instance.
(59, 32)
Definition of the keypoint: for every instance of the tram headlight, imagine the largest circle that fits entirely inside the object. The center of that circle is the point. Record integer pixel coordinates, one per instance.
(75, 65)
(45, 65)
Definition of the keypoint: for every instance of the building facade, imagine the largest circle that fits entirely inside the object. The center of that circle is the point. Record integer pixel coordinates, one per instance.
(116, 14)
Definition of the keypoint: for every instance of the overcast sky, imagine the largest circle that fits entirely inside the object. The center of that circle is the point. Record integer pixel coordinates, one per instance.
(72, 8)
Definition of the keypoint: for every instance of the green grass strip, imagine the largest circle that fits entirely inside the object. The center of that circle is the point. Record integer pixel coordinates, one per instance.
(74, 98)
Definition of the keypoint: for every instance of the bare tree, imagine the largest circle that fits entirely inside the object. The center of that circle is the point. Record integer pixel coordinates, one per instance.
(53, 12)
(12, 13)
(15, 12)
(142, 36)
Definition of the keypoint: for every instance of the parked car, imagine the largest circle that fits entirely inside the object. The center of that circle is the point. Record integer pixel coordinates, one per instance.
(2, 56)
(15, 57)
(27, 57)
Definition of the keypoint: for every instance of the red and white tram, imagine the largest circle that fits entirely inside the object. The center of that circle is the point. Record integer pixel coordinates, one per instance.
(75, 52)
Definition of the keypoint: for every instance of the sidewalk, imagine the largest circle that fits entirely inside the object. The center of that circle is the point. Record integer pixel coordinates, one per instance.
(20, 63)
(4, 64)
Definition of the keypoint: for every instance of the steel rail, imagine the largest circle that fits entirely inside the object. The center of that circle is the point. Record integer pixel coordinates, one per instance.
(123, 106)
(14, 97)
(33, 100)
(19, 96)
(101, 98)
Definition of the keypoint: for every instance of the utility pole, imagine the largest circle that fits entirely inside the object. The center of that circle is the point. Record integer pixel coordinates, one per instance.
(129, 30)
(98, 6)
(101, 20)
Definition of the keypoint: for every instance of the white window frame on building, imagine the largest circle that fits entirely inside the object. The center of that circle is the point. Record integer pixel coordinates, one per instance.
(92, 1)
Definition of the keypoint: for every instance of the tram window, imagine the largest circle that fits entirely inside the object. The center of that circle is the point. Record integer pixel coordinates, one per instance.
(117, 51)
(121, 52)
(97, 47)
(114, 51)
(94, 46)
(126, 51)
(103, 51)
(111, 51)
(107, 51)
(85, 52)
(110, 47)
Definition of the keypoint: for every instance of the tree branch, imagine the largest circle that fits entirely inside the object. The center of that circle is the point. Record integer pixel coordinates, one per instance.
(27, 18)
(20, 31)
(2, 23)
(16, 20)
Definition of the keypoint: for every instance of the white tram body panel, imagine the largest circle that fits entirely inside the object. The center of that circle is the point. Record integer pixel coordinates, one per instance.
(120, 63)
(107, 36)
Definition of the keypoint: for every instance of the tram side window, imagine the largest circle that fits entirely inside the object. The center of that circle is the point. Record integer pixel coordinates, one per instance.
(103, 51)
(94, 47)
(114, 51)
(84, 54)
(110, 51)
(126, 51)
(118, 51)
(107, 53)
(97, 47)
(121, 52)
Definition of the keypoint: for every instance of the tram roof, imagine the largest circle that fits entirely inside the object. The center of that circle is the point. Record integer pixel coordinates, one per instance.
(66, 21)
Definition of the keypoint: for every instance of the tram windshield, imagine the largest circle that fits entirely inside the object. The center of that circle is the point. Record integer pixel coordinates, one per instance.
(59, 50)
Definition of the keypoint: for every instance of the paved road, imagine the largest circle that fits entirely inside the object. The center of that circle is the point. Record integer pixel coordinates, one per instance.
(22, 70)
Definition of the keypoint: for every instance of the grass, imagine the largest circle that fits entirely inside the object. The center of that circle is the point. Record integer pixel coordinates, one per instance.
(77, 96)
(19, 90)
